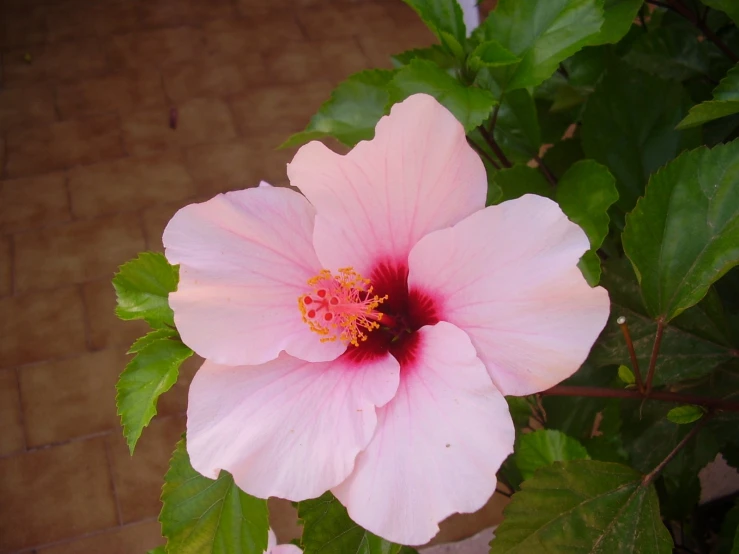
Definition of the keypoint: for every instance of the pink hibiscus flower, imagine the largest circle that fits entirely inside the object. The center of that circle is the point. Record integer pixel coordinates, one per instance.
(360, 338)
(274, 548)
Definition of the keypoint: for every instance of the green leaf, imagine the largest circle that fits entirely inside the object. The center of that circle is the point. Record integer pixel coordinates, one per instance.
(583, 506)
(151, 373)
(203, 516)
(585, 193)
(154, 336)
(470, 105)
(544, 447)
(327, 529)
(520, 409)
(490, 53)
(618, 16)
(685, 414)
(685, 353)
(143, 286)
(725, 102)
(560, 157)
(684, 234)
(158, 550)
(666, 53)
(433, 53)
(518, 180)
(352, 112)
(729, 535)
(628, 125)
(542, 34)
(445, 19)
(731, 7)
(517, 129)
(626, 375)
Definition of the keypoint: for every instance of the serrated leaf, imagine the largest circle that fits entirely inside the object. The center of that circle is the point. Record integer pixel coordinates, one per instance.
(628, 126)
(491, 53)
(352, 112)
(470, 105)
(725, 102)
(518, 180)
(142, 287)
(203, 516)
(583, 506)
(689, 350)
(544, 447)
(685, 414)
(151, 373)
(517, 129)
(664, 52)
(684, 234)
(585, 193)
(327, 529)
(542, 34)
(149, 338)
(626, 375)
(618, 16)
(446, 21)
(730, 7)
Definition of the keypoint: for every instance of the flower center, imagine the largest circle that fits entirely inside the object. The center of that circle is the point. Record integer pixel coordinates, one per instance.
(341, 306)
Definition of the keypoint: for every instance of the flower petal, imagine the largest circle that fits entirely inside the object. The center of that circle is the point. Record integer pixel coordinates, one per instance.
(438, 445)
(509, 278)
(284, 549)
(287, 428)
(245, 257)
(417, 175)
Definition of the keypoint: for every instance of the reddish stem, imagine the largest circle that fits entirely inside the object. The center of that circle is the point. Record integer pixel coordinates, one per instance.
(632, 353)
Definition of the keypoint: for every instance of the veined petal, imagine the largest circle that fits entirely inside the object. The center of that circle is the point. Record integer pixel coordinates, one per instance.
(245, 257)
(438, 445)
(417, 175)
(509, 278)
(287, 428)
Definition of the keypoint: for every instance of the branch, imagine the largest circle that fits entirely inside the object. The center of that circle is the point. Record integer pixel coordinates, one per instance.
(482, 153)
(494, 146)
(663, 396)
(694, 431)
(655, 354)
(545, 171)
(632, 353)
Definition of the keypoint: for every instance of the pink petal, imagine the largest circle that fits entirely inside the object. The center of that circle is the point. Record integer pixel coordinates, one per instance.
(438, 445)
(418, 174)
(287, 428)
(245, 257)
(508, 276)
(274, 548)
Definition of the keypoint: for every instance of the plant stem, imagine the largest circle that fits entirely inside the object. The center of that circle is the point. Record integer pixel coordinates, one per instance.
(632, 353)
(655, 354)
(545, 171)
(482, 153)
(663, 396)
(494, 146)
(694, 431)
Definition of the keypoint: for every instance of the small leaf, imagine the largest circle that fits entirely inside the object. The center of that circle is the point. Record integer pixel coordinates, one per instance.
(151, 373)
(683, 234)
(626, 375)
(685, 414)
(327, 529)
(446, 21)
(725, 102)
(491, 53)
(470, 105)
(157, 550)
(583, 506)
(542, 34)
(618, 16)
(159, 334)
(203, 516)
(352, 112)
(544, 447)
(585, 193)
(433, 53)
(628, 126)
(143, 286)
(518, 180)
